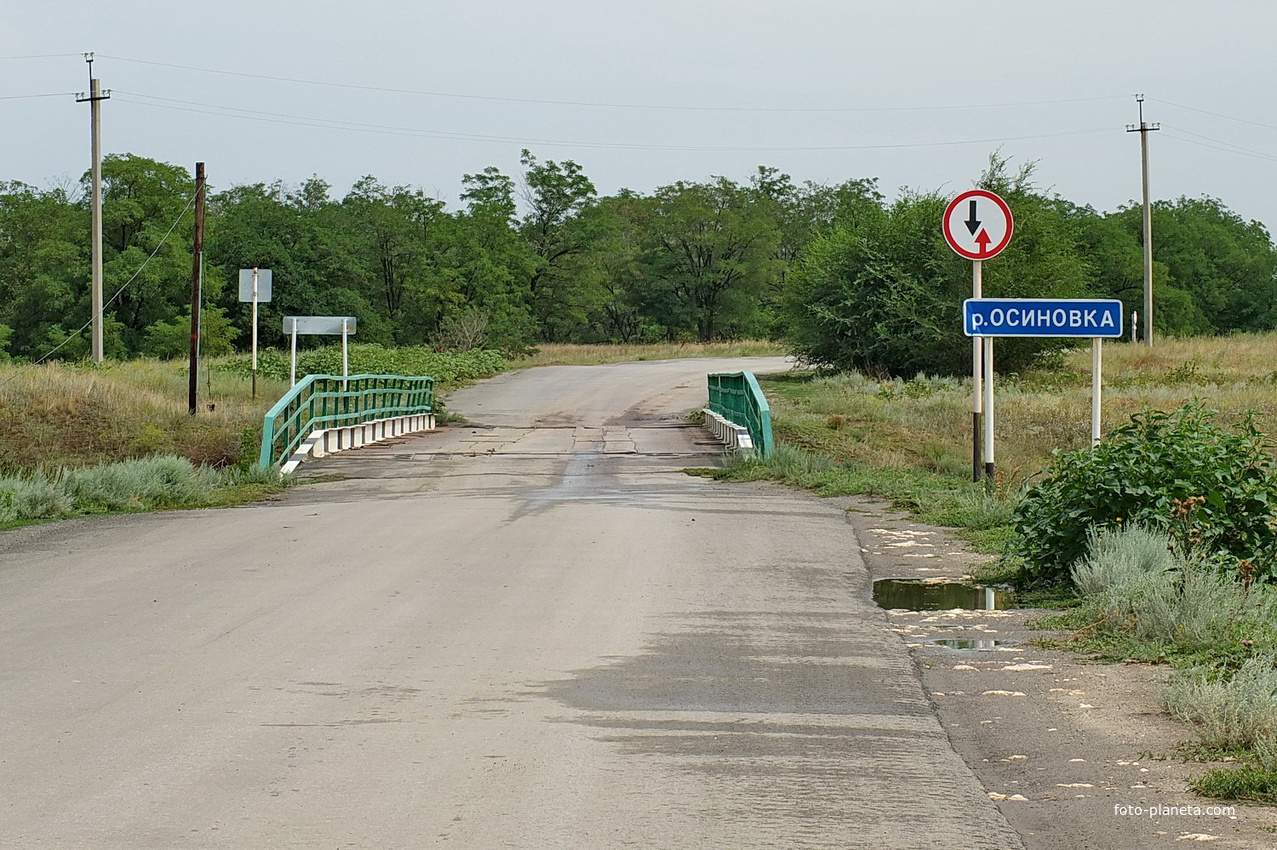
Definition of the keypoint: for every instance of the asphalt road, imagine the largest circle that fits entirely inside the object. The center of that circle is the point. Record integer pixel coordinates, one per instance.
(534, 631)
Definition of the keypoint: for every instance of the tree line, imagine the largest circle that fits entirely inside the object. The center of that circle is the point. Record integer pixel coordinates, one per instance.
(849, 277)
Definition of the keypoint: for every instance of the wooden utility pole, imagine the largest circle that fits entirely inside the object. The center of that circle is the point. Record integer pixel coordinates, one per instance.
(197, 286)
(1144, 129)
(95, 98)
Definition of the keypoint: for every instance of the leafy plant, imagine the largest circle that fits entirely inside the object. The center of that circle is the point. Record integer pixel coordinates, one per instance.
(374, 359)
(1148, 471)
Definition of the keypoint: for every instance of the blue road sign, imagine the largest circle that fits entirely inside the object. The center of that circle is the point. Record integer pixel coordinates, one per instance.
(1079, 317)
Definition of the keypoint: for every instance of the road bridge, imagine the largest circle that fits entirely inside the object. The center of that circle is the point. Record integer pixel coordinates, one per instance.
(533, 630)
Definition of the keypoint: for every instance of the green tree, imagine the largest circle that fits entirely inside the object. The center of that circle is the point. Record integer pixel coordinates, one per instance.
(1214, 271)
(709, 250)
(884, 293)
(142, 199)
(557, 196)
(44, 269)
(492, 266)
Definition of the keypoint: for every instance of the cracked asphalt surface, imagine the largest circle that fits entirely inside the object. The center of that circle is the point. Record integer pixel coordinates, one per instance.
(530, 631)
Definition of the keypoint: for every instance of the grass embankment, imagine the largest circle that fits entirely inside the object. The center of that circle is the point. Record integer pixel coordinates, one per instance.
(85, 439)
(59, 416)
(117, 437)
(909, 441)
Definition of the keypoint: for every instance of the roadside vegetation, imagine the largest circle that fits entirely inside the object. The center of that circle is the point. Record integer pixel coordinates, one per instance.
(575, 354)
(1161, 543)
(859, 287)
(86, 438)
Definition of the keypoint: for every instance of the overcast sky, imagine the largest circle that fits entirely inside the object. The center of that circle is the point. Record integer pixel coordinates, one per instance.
(914, 92)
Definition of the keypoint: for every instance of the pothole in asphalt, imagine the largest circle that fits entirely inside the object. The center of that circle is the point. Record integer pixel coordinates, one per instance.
(913, 594)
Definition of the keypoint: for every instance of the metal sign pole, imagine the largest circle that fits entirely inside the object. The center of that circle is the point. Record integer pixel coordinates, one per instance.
(977, 290)
(988, 411)
(254, 332)
(345, 355)
(1097, 383)
(292, 375)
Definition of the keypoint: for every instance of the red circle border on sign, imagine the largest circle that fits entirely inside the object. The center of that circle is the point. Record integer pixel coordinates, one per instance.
(994, 250)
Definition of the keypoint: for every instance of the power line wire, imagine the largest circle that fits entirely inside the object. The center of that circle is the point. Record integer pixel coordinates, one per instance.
(604, 105)
(30, 96)
(336, 124)
(1216, 114)
(1219, 144)
(39, 56)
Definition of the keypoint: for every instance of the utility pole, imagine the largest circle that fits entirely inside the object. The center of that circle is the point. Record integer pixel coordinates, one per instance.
(95, 98)
(1144, 129)
(197, 286)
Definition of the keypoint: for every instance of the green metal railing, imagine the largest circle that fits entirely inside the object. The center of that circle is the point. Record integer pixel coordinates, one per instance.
(331, 401)
(736, 397)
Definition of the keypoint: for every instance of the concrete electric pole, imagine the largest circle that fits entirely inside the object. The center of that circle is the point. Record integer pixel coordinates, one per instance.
(197, 290)
(1144, 129)
(95, 98)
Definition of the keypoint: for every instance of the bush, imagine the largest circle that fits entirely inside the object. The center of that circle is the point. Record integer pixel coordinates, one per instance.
(374, 359)
(883, 293)
(1228, 712)
(1117, 563)
(32, 498)
(153, 482)
(1147, 601)
(1177, 471)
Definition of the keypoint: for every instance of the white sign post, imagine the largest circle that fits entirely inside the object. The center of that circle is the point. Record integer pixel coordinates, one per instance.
(1096, 319)
(255, 286)
(978, 225)
(322, 325)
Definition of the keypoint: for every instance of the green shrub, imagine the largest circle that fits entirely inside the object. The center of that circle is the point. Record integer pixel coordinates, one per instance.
(374, 359)
(31, 498)
(1250, 782)
(153, 482)
(1177, 471)
(41, 498)
(1144, 600)
(1121, 561)
(1227, 712)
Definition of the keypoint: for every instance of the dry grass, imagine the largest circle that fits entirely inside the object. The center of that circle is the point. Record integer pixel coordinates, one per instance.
(555, 354)
(66, 416)
(926, 423)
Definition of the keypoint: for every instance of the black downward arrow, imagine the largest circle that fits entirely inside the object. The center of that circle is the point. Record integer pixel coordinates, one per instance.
(973, 223)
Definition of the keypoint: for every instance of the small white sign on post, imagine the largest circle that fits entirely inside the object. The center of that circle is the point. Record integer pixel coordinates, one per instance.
(323, 326)
(254, 286)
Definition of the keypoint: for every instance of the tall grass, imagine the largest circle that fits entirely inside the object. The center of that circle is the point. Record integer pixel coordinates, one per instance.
(1229, 712)
(1148, 602)
(925, 422)
(132, 485)
(65, 416)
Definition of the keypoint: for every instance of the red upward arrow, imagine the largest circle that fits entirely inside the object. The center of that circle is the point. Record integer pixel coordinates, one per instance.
(982, 240)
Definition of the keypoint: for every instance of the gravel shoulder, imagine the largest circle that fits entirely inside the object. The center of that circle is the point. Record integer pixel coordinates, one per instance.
(1076, 754)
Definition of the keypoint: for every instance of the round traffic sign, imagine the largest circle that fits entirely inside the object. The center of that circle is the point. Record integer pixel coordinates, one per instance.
(978, 224)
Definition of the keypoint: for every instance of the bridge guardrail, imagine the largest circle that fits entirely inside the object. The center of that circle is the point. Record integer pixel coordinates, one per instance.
(736, 397)
(321, 402)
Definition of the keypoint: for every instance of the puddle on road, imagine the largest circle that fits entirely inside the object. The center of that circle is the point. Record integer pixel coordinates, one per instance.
(914, 594)
(969, 644)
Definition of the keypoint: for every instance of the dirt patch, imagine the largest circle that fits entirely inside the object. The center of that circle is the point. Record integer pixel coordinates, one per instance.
(1076, 754)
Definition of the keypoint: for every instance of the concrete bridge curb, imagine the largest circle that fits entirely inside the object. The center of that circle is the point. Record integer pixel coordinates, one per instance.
(333, 440)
